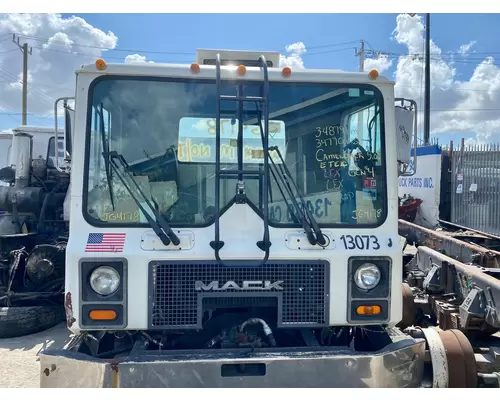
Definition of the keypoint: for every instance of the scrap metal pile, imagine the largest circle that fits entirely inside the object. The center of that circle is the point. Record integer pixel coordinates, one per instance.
(452, 281)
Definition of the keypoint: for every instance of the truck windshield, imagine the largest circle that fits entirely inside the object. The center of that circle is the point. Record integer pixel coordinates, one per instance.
(331, 137)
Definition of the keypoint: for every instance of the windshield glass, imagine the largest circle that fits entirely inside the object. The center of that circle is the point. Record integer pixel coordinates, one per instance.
(330, 135)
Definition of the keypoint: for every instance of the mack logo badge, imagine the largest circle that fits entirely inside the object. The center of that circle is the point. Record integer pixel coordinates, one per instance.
(246, 285)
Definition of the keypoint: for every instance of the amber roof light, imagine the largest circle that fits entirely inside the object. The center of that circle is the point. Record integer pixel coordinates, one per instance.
(241, 70)
(100, 64)
(195, 68)
(373, 74)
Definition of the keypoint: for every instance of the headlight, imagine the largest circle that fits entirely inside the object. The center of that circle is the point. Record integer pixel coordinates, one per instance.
(367, 276)
(104, 280)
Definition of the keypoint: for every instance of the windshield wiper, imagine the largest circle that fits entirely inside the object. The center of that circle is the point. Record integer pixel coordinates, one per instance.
(159, 225)
(287, 178)
(105, 147)
(309, 224)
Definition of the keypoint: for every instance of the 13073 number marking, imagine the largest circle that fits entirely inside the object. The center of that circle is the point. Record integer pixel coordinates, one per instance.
(360, 242)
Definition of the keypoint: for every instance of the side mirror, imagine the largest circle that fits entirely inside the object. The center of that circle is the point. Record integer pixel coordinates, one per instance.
(67, 136)
(406, 136)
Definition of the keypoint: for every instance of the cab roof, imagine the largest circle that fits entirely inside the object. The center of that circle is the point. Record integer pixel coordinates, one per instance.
(170, 70)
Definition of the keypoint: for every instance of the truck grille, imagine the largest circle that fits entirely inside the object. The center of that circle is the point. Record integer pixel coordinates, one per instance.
(174, 301)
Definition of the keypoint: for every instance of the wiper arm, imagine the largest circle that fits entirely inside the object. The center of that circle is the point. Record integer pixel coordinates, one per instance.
(159, 225)
(295, 208)
(105, 149)
(287, 178)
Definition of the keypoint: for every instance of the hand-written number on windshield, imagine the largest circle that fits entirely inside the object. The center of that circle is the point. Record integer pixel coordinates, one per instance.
(369, 214)
(318, 208)
(330, 130)
(121, 216)
(360, 242)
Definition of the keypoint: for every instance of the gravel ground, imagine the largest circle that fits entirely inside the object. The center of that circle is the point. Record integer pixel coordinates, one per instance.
(19, 367)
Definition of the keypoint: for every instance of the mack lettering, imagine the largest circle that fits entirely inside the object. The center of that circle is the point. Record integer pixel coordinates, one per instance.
(245, 285)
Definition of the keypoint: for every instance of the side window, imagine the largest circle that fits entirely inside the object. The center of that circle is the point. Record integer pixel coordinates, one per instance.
(51, 151)
(364, 125)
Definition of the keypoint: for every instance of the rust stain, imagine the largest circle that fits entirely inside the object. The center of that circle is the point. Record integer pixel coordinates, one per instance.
(115, 379)
(68, 306)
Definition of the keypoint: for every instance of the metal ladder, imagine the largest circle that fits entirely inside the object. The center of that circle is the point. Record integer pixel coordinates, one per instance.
(240, 197)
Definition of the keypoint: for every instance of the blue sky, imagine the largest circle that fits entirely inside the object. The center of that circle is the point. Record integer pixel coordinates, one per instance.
(323, 35)
(184, 33)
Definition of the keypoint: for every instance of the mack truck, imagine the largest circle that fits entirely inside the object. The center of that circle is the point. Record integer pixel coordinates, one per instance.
(234, 223)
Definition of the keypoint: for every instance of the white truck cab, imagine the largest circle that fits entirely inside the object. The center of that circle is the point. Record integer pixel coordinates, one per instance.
(229, 205)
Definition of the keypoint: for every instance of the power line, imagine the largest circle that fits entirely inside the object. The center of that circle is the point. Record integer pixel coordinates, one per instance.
(31, 89)
(49, 40)
(326, 51)
(7, 51)
(333, 44)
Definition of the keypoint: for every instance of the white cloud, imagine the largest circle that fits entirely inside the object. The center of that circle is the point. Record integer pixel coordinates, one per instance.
(465, 49)
(136, 59)
(381, 63)
(59, 47)
(460, 106)
(297, 48)
(294, 58)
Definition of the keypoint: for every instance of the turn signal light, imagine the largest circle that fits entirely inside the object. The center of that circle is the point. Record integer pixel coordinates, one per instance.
(100, 64)
(368, 310)
(102, 315)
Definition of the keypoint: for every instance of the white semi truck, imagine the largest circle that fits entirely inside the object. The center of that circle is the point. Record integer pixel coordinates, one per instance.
(234, 223)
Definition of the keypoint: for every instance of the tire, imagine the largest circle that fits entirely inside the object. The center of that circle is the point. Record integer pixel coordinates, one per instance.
(22, 321)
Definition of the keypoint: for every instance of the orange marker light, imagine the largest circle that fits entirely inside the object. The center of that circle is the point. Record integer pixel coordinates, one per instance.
(286, 72)
(368, 310)
(100, 64)
(373, 74)
(241, 70)
(195, 68)
(102, 315)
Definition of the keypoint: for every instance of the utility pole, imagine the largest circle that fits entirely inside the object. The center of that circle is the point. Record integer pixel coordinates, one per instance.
(361, 55)
(26, 52)
(427, 110)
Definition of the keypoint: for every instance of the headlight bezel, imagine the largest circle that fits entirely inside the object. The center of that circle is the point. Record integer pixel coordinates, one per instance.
(383, 289)
(88, 265)
(380, 295)
(367, 267)
(111, 272)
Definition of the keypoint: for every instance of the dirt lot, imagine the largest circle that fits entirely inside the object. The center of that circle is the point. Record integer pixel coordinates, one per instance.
(19, 367)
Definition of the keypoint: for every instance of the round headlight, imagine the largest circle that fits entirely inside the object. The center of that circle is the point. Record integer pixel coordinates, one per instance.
(367, 276)
(104, 281)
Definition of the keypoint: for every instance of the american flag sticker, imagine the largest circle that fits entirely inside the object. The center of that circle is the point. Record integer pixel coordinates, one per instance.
(105, 242)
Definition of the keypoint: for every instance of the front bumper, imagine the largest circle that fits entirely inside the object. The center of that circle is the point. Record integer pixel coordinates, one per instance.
(400, 364)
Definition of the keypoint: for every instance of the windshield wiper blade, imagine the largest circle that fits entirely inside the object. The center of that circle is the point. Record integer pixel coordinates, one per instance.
(105, 147)
(295, 208)
(159, 225)
(287, 177)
